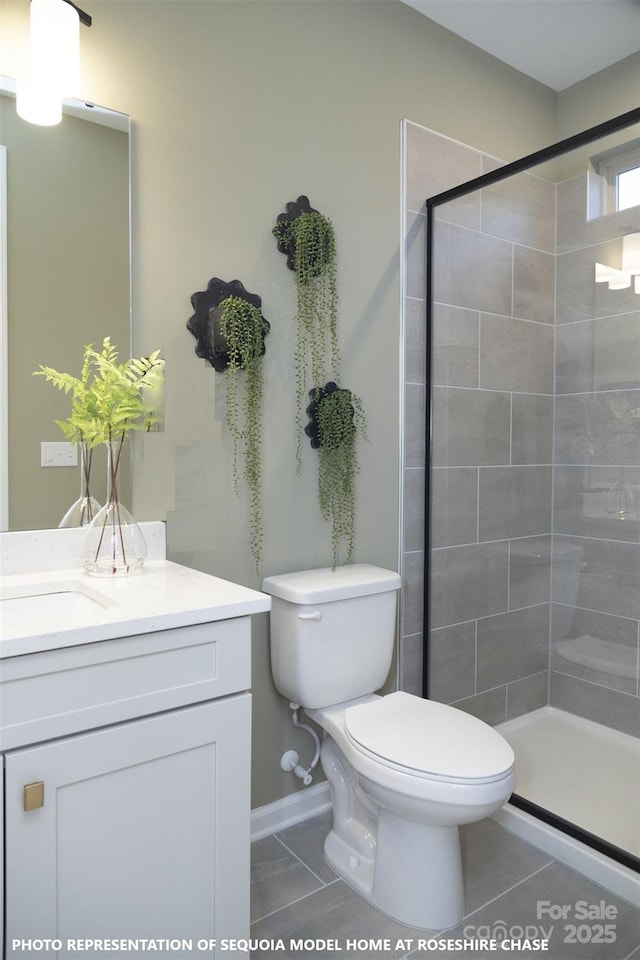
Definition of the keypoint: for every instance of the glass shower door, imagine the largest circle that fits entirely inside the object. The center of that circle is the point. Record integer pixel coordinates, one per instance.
(533, 560)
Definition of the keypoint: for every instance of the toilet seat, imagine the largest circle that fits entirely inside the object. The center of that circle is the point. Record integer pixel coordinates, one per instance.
(428, 739)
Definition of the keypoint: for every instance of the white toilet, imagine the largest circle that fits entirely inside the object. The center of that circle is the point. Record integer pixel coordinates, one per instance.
(404, 771)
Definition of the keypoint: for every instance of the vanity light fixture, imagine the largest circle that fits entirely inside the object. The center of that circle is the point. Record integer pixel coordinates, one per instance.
(630, 266)
(54, 60)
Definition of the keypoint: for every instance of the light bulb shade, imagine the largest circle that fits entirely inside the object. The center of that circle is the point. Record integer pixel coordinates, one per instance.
(54, 62)
(631, 253)
(619, 280)
(37, 104)
(55, 46)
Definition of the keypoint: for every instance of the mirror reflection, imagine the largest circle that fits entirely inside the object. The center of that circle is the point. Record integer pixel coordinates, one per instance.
(68, 284)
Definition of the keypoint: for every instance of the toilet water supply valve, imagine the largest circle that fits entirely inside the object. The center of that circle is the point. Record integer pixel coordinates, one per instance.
(289, 759)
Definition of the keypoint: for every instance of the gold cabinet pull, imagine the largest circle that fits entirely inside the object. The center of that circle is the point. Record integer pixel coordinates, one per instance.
(33, 795)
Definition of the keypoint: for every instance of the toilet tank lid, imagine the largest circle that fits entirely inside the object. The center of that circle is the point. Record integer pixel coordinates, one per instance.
(325, 585)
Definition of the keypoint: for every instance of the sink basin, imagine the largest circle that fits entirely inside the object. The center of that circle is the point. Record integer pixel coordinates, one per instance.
(44, 604)
(49, 603)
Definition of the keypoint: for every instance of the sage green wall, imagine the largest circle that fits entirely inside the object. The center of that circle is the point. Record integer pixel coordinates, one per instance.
(238, 108)
(600, 97)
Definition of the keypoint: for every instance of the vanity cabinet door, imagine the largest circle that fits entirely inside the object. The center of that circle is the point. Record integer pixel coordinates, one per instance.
(142, 832)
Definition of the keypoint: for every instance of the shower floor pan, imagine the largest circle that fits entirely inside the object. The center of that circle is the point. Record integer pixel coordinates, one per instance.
(588, 775)
(581, 771)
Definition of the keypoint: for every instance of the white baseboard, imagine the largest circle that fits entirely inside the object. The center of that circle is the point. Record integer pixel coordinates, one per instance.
(295, 808)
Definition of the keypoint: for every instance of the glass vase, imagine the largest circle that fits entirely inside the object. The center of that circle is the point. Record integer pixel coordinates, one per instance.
(86, 506)
(114, 544)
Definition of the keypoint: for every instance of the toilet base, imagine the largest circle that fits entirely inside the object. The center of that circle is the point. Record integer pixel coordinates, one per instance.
(355, 869)
(410, 871)
(406, 879)
(418, 874)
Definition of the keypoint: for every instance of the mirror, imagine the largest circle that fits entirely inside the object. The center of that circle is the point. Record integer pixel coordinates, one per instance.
(67, 284)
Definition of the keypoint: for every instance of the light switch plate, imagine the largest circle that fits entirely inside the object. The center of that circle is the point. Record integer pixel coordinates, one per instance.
(58, 454)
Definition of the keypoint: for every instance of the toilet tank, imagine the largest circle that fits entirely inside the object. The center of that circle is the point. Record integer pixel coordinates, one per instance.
(332, 632)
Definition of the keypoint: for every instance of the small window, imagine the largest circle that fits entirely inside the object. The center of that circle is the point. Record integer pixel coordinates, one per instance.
(628, 188)
(617, 178)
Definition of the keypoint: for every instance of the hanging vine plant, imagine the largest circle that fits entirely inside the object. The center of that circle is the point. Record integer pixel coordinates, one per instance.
(241, 325)
(308, 240)
(230, 330)
(336, 419)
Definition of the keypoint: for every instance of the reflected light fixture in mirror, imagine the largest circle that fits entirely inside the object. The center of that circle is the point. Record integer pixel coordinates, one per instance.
(621, 279)
(54, 60)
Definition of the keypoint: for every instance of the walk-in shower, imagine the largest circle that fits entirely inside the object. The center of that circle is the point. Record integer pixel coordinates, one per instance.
(532, 477)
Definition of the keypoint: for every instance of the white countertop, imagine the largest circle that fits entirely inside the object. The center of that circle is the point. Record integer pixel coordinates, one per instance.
(49, 609)
(161, 596)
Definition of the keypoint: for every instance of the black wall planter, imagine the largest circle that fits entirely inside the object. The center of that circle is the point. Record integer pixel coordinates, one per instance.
(317, 395)
(284, 236)
(205, 322)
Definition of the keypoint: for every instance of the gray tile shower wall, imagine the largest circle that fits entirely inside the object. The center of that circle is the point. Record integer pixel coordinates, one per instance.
(492, 367)
(472, 269)
(595, 624)
(521, 208)
(525, 346)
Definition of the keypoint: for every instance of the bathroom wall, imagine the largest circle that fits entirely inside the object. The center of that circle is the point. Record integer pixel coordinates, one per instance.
(238, 108)
(605, 94)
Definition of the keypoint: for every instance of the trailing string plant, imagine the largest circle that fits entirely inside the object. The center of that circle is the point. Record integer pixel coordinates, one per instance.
(230, 331)
(242, 327)
(337, 418)
(308, 240)
(109, 401)
(336, 414)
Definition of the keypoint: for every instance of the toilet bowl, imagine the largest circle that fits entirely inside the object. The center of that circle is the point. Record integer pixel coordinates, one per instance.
(399, 797)
(404, 772)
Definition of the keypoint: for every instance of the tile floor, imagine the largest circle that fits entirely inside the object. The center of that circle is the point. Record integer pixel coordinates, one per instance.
(295, 895)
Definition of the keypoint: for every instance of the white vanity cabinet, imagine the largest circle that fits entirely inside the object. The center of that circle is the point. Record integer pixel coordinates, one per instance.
(127, 792)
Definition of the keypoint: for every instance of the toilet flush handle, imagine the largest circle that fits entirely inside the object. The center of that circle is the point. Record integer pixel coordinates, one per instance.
(314, 615)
